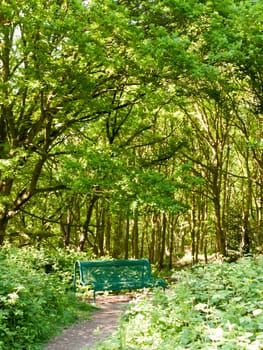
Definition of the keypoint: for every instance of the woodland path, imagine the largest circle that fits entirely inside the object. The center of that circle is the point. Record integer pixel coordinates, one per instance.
(85, 334)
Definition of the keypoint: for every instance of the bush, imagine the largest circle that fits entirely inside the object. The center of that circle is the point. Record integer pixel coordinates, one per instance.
(216, 306)
(59, 262)
(34, 304)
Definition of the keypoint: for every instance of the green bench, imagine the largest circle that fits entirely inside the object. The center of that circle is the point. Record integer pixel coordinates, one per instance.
(115, 275)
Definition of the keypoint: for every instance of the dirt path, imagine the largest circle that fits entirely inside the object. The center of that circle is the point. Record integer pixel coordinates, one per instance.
(85, 334)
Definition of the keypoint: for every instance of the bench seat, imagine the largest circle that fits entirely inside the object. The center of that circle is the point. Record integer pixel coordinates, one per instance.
(115, 275)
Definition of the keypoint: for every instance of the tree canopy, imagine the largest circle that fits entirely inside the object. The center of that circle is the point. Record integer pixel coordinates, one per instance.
(132, 127)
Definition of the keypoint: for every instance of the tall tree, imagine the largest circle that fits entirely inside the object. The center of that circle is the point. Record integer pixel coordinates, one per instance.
(57, 76)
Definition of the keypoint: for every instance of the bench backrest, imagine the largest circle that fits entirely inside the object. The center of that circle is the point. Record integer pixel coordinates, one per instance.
(114, 271)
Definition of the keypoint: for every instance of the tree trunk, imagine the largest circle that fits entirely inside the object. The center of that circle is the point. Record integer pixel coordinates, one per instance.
(220, 235)
(171, 242)
(108, 233)
(135, 236)
(127, 237)
(86, 225)
(216, 190)
(163, 241)
(153, 238)
(3, 225)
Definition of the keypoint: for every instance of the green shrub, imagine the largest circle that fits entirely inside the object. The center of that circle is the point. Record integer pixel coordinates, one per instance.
(59, 262)
(34, 304)
(215, 306)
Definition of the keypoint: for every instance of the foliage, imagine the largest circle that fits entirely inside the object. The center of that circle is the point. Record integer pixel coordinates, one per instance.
(122, 183)
(58, 263)
(103, 104)
(215, 306)
(34, 304)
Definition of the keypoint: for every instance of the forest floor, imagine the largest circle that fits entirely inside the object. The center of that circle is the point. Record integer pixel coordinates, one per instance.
(103, 321)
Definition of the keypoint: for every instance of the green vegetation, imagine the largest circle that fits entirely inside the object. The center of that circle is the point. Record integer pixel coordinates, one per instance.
(36, 298)
(214, 306)
(211, 306)
(132, 128)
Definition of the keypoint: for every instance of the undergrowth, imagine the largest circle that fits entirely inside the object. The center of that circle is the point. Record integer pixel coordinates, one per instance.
(214, 306)
(36, 297)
